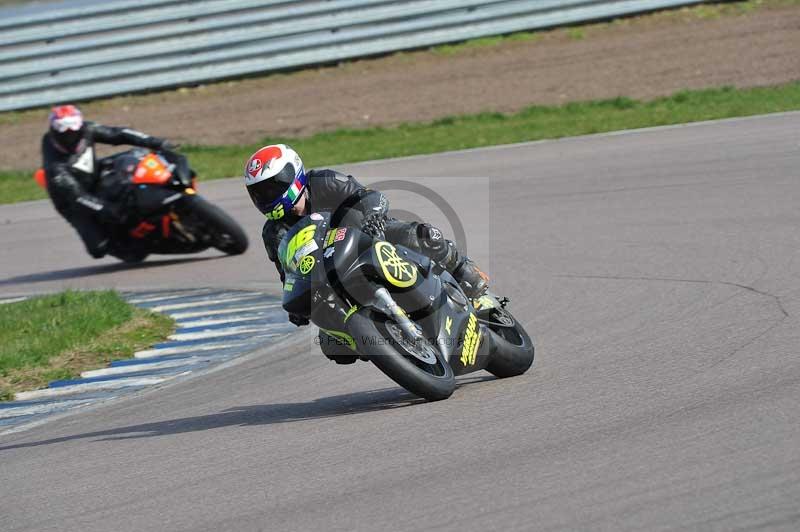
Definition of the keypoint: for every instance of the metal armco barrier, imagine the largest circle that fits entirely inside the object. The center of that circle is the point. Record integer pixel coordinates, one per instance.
(80, 50)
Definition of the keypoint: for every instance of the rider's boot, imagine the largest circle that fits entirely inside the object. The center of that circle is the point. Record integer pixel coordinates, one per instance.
(98, 250)
(472, 280)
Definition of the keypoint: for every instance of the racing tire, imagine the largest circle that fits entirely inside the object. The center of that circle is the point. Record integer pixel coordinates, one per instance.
(134, 258)
(228, 236)
(434, 383)
(512, 350)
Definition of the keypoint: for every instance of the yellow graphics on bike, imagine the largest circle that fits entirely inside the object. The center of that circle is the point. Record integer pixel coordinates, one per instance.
(472, 339)
(396, 270)
(307, 264)
(343, 337)
(300, 246)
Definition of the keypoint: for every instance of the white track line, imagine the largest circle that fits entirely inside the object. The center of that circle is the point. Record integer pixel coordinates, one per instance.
(206, 302)
(206, 323)
(91, 387)
(12, 300)
(202, 313)
(133, 368)
(169, 295)
(218, 333)
(42, 408)
(150, 353)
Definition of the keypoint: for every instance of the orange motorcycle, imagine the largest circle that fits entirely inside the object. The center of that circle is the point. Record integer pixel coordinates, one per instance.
(164, 213)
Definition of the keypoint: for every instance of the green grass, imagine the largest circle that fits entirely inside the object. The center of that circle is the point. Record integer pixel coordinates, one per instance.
(577, 34)
(533, 123)
(457, 48)
(19, 186)
(58, 336)
(485, 129)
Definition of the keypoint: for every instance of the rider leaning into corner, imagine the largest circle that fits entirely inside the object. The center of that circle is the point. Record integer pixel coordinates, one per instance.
(284, 192)
(74, 179)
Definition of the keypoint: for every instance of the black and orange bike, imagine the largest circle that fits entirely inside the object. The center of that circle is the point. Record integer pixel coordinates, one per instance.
(165, 215)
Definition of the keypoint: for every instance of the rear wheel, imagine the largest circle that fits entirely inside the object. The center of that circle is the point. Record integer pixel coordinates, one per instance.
(226, 234)
(513, 350)
(417, 366)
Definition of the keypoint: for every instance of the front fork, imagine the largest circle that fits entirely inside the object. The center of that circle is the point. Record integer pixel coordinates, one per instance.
(386, 304)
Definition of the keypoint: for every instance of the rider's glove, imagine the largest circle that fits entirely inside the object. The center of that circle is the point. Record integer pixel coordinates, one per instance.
(168, 145)
(298, 320)
(375, 225)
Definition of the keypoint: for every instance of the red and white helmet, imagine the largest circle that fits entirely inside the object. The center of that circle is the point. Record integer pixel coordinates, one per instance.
(275, 179)
(67, 126)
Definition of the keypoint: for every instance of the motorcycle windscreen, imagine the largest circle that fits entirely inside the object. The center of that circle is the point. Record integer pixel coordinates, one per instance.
(152, 170)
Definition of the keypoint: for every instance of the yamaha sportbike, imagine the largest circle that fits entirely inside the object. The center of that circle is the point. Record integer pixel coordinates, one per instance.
(397, 309)
(164, 214)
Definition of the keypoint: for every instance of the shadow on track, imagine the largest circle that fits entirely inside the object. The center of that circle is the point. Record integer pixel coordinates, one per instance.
(91, 271)
(255, 415)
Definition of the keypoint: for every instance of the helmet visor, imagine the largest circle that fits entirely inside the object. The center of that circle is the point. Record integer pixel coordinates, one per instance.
(267, 194)
(69, 139)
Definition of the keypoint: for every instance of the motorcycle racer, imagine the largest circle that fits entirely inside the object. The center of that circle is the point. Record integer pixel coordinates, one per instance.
(73, 177)
(284, 192)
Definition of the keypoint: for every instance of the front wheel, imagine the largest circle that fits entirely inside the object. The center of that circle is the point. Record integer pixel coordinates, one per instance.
(419, 367)
(226, 234)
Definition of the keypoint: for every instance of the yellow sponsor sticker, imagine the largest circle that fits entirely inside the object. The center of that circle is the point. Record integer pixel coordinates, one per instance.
(472, 339)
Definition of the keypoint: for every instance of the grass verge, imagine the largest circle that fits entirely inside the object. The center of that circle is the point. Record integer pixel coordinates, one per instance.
(533, 123)
(58, 336)
(19, 186)
(471, 131)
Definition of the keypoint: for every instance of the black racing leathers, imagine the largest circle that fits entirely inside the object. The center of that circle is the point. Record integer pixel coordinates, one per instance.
(356, 206)
(73, 181)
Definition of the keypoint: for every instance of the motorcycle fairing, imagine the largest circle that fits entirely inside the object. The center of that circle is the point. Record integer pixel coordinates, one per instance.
(357, 266)
(303, 240)
(152, 169)
(434, 301)
(150, 199)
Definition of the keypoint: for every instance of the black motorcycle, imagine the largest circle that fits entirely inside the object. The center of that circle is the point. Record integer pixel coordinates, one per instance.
(164, 215)
(397, 309)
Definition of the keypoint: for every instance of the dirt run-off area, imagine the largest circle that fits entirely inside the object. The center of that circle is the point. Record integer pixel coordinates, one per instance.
(641, 57)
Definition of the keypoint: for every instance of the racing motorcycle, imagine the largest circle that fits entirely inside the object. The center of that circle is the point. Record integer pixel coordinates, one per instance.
(164, 213)
(397, 309)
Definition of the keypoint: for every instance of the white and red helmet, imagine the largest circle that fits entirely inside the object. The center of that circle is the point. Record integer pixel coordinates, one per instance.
(275, 179)
(67, 126)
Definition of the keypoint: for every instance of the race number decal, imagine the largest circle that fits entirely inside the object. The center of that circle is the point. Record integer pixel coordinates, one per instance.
(397, 271)
(303, 238)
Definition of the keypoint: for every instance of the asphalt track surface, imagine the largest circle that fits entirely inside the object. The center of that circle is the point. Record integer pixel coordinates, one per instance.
(658, 271)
